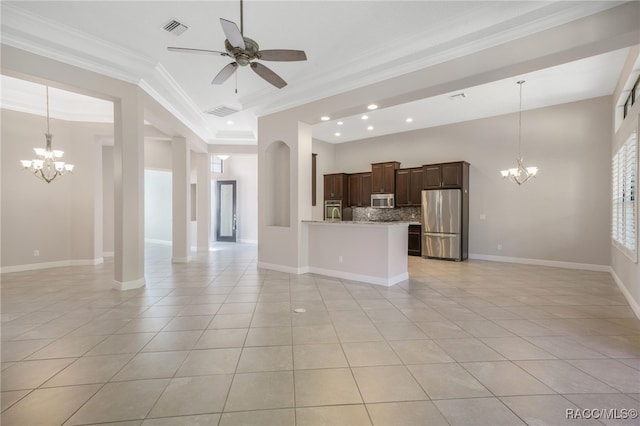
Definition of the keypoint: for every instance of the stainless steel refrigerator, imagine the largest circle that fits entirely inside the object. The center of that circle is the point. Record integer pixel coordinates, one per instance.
(442, 224)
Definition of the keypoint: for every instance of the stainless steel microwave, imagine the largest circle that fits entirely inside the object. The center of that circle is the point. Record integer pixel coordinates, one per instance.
(383, 201)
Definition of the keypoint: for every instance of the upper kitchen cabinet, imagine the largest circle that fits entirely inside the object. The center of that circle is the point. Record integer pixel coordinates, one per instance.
(360, 190)
(336, 187)
(383, 177)
(409, 185)
(446, 175)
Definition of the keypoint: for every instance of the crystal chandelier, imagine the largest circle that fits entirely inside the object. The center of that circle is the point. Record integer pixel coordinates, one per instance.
(520, 174)
(48, 165)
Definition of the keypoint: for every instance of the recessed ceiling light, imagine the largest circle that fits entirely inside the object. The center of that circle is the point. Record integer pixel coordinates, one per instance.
(229, 122)
(370, 128)
(337, 133)
(340, 123)
(372, 107)
(409, 120)
(365, 117)
(325, 118)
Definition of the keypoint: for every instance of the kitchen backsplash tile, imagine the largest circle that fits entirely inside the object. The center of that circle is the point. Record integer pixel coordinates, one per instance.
(408, 214)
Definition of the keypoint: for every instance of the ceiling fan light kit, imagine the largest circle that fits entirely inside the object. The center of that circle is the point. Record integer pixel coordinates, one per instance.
(245, 51)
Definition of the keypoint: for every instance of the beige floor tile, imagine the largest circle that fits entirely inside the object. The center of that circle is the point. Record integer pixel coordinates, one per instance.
(318, 356)
(90, 369)
(400, 331)
(195, 322)
(544, 410)
(193, 395)
(210, 361)
(562, 377)
(265, 358)
(505, 378)
(120, 401)
(231, 321)
(484, 329)
(121, 344)
(387, 384)
(11, 397)
(31, 374)
(261, 391)
(615, 374)
(282, 417)
(326, 387)
(444, 381)
(173, 341)
(200, 420)
(151, 365)
(419, 352)
(237, 308)
(465, 350)
(406, 413)
(222, 338)
(355, 415)
(515, 348)
(366, 332)
(444, 330)
(477, 411)
(272, 336)
(17, 350)
(68, 347)
(363, 354)
(564, 348)
(200, 310)
(144, 325)
(48, 406)
(324, 333)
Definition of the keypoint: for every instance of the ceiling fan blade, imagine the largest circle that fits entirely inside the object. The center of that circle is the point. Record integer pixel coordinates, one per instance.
(268, 75)
(189, 50)
(232, 33)
(283, 55)
(225, 73)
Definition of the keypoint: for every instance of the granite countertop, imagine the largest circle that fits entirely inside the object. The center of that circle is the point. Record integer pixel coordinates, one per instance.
(364, 222)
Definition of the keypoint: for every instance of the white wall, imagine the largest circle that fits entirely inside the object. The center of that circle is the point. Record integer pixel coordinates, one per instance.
(561, 216)
(107, 200)
(243, 168)
(626, 272)
(157, 206)
(58, 219)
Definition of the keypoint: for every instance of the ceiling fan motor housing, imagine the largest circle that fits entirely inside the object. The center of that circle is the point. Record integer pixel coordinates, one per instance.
(243, 56)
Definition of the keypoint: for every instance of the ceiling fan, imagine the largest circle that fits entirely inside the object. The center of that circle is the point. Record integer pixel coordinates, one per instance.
(245, 51)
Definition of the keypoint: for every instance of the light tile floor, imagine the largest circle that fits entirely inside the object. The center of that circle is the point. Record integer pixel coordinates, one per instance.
(216, 342)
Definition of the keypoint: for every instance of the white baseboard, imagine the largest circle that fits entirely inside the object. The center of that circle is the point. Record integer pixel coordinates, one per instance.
(108, 254)
(47, 265)
(129, 285)
(248, 241)
(632, 302)
(541, 262)
(387, 282)
(180, 259)
(282, 268)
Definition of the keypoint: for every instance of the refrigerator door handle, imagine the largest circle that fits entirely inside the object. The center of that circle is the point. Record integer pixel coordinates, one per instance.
(441, 235)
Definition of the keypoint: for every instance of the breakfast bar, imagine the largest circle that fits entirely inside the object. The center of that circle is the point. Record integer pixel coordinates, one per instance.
(371, 252)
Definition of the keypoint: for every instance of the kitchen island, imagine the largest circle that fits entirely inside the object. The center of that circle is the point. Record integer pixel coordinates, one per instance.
(371, 252)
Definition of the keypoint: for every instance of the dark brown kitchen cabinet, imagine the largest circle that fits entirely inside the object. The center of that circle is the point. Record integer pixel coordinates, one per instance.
(360, 190)
(446, 175)
(336, 187)
(383, 177)
(415, 240)
(409, 185)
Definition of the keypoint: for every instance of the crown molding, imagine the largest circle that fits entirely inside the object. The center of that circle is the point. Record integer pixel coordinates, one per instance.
(46, 38)
(366, 69)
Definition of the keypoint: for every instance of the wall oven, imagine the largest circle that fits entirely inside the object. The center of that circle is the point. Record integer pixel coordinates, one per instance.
(333, 210)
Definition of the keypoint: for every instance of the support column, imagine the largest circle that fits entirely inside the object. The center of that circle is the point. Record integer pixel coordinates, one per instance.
(181, 181)
(128, 176)
(203, 201)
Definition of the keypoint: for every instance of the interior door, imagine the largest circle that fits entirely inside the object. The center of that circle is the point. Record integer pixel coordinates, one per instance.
(226, 210)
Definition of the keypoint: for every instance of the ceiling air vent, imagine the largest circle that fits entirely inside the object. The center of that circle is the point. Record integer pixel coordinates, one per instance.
(222, 111)
(175, 27)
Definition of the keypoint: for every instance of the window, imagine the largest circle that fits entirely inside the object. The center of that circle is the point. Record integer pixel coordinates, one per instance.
(624, 208)
(632, 98)
(216, 164)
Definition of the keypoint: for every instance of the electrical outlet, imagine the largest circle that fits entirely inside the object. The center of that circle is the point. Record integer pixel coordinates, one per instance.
(36, 253)
(499, 246)
(340, 259)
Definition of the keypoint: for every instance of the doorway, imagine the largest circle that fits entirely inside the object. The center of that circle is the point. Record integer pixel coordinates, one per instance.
(226, 211)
